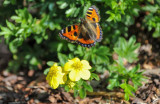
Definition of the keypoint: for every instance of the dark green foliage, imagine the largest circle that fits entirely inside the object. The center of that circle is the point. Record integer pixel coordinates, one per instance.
(152, 20)
(31, 28)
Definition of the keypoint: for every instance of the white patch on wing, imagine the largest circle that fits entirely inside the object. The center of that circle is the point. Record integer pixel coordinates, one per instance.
(62, 31)
(90, 8)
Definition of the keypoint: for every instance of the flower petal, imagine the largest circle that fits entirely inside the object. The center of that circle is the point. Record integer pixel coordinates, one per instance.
(76, 60)
(74, 75)
(54, 84)
(85, 64)
(68, 65)
(64, 79)
(85, 74)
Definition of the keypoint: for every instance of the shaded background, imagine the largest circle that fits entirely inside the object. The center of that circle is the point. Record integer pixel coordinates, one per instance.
(29, 34)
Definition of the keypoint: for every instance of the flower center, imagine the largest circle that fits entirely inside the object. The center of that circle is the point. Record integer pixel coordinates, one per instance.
(77, 66)
(54, 72)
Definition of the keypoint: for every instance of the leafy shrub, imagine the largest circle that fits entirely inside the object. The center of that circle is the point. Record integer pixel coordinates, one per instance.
(32, 27)
(152, 19)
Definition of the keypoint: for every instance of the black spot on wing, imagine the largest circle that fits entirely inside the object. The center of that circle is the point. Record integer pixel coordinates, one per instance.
(61, 34)
(93, 19)
(69, 28)
(75, 33)
(89, 12)
(74, 27)
(88, 16)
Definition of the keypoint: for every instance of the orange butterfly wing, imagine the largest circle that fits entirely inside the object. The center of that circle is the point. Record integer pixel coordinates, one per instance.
(85, 41)
(99, 32)
(92, 14)
(70, 33)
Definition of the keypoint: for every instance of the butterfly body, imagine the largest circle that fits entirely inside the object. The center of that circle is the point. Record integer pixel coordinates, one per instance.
(86, 33)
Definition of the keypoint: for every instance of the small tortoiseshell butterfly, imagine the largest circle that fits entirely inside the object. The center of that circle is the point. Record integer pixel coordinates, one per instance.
(86, 33)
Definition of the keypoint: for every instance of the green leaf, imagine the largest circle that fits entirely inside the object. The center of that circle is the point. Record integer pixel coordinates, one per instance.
(70, 11)
(95, 76)
(12, 48)
(156, 33)
(63, 58)
(66, 88)
(60, 46)
(109, 19)
(88, 87)
(16, 18)
(126, 96)
(128, 89)
(71, 47)
(5, 31)
(38, 39)
(13, 2)
(82, 93)
(113, 83)
(80, 82)
(34, 61)
(51, 26)
(10, 25)
(17, 42)
(92, 70)
(75, 92)
(102, 50)
(151, 8)
(79, 51)
(50, 63)
(46, 71)
(135, 69)
(51, 6)
(63, 5)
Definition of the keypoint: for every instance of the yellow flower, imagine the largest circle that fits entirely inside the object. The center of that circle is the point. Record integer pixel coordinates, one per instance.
(70, 83)
(55, 76)
(78, 69)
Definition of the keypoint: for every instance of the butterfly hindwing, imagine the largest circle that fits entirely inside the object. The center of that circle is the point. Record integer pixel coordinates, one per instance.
(85, 41)
(99, 32)
(92, 14)
(70, 33)
(95, 31)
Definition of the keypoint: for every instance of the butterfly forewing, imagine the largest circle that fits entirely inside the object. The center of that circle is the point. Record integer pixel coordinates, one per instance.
(92, 14)
(70, 33)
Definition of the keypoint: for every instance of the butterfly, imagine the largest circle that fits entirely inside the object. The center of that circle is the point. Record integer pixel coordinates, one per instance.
(87, 32)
